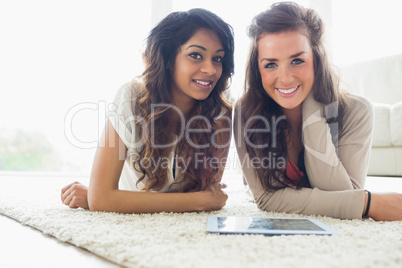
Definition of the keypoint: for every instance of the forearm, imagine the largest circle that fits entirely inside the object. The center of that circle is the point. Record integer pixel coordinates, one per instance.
(307, 201)
(146, 202)
(384, 206)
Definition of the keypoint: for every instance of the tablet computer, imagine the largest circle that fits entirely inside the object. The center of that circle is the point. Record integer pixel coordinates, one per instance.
(267, 226)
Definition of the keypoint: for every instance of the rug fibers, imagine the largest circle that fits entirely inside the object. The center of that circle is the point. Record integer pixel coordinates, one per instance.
(180, 239)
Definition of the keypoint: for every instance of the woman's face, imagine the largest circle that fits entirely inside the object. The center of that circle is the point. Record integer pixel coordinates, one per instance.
(286, 65)
(198, 67)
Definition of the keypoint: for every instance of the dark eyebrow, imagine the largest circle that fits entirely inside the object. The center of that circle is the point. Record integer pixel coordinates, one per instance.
(203, 48)
(293, 56)
(297, 54)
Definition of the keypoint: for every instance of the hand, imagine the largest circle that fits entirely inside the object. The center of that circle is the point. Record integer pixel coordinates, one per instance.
(215, 198)
(75, 195)
(386, 207)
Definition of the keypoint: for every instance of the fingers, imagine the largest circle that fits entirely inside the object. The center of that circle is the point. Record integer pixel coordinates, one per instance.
(218, 186)
(67, 201)
(226, 196)
(65, 188)
(66, 191)
(74, 202)
(223, 197)
(74, 195)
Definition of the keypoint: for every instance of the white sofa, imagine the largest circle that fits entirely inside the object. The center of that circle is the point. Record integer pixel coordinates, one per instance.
(380, 81)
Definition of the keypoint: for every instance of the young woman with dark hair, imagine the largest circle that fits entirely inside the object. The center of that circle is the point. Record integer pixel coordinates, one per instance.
(168, 137)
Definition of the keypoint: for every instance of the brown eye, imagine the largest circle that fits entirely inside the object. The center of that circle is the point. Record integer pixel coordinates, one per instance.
(196, 56)
(218, 59)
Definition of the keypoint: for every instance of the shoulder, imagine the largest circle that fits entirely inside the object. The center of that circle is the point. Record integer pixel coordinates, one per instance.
(358, 107)
(359, 102)
(125, 99)
(129, 90)
(358, 116)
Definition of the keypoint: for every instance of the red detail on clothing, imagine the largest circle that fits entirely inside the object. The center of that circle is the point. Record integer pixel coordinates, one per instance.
(293, 173)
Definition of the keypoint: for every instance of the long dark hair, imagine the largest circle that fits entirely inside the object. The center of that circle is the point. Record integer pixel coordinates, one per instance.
(163, 44)
(281, 17)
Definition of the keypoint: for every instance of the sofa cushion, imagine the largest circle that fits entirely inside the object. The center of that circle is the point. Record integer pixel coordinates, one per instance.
(378, 80)
(396, 124)
(381, 132)
(385, 162)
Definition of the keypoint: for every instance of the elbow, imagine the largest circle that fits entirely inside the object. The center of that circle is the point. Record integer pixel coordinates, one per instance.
(266, 206)
(96, 202)
(270, 203)
(95, 205)
(263, 204)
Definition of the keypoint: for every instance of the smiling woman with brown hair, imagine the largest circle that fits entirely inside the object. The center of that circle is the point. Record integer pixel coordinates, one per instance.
(304, 144)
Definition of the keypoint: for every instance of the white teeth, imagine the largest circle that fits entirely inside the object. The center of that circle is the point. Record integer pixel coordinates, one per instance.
(287, 91)
(202, 83)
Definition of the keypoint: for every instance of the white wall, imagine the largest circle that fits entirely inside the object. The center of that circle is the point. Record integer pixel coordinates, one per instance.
(58, 54)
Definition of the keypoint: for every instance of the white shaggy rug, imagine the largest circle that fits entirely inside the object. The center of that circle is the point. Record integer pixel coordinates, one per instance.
(180, 240)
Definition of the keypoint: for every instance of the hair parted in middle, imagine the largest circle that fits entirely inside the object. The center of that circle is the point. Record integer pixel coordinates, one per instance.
(282, 17)
(162, 47)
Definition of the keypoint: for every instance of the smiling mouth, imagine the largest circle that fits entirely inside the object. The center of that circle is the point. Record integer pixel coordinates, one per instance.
(288, 90)
(203, 83)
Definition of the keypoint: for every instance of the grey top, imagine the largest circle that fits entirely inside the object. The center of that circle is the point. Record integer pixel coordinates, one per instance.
(337, 168)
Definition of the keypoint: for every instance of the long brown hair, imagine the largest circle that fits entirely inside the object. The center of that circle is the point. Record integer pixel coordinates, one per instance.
(163, 44)
(281, 17)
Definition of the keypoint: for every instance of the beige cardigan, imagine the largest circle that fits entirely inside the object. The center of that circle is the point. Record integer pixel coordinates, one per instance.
(337, 172)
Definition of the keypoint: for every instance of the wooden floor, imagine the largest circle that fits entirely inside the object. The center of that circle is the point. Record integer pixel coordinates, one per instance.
(23, 246)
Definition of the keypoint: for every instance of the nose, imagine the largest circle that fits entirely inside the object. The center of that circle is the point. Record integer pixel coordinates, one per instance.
(208, 68)
(285, 75)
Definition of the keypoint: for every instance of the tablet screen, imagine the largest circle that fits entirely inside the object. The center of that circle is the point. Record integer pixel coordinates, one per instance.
(266, 225)
(245, 223)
